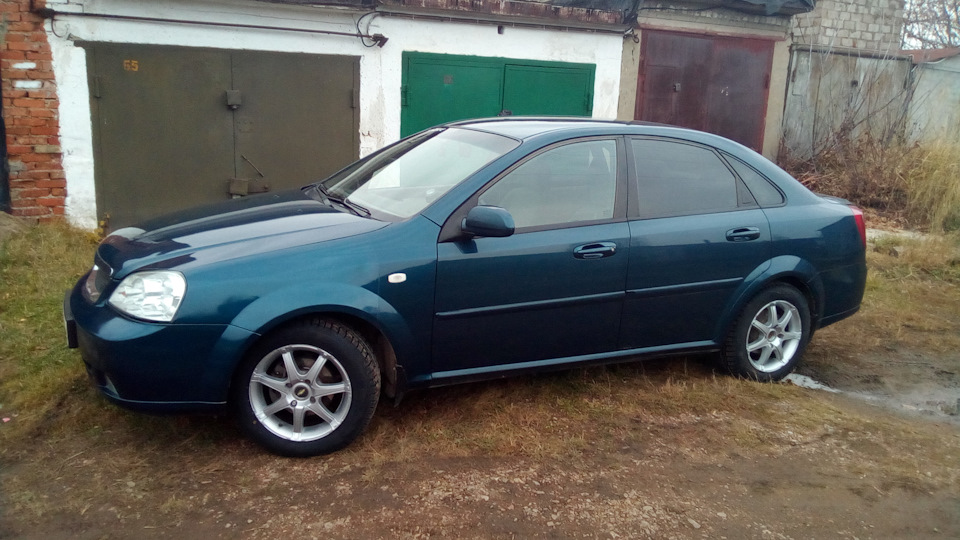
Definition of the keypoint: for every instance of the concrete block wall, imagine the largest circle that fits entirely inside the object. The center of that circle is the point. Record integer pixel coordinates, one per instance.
(30, 114)
(870, 25)
(718, 16)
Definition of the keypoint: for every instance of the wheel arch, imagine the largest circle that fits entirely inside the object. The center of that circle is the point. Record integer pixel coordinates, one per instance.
(788, 269)
(356, 308)
(383, 350)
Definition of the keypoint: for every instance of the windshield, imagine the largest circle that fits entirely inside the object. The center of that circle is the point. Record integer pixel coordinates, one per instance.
(406, 177)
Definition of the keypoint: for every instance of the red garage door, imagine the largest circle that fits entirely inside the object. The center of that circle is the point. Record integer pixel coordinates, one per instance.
(715, 84)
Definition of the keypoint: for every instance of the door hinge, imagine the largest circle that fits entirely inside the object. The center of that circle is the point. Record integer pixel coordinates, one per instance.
(234, 99)
(403, 96)
(589, 103)
(96, 87)
(241, 187)
(354, 98)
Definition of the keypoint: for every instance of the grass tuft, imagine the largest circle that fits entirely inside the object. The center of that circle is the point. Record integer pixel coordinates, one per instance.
(37, 371)
(916, 257)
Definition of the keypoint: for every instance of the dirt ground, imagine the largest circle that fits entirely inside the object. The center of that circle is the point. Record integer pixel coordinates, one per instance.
(874, 469)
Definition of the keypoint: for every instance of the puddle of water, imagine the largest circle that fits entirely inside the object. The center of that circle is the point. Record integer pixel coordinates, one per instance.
(937, 402)
(807, 382)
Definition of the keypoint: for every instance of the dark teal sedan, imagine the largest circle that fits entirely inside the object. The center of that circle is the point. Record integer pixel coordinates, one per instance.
(469, 251)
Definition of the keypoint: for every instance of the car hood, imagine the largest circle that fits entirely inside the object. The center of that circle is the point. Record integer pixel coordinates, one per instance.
(227, 230)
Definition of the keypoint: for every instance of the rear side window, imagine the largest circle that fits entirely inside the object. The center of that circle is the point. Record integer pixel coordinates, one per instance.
(676, 179)
(761, 188)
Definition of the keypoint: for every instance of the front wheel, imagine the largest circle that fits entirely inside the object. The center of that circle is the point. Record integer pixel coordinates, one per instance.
(307, 389)
(769, 337)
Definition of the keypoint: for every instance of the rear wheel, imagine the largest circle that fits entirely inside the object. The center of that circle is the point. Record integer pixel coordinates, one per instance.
(307, 389)
(769, 338)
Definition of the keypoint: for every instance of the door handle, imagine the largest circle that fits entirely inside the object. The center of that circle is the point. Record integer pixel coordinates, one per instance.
(595, 250)
(743, 234)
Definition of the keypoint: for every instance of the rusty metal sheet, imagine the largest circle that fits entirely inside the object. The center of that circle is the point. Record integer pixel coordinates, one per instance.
(712, 83)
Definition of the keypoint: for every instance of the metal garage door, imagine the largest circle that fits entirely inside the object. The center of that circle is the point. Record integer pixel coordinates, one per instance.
(715, 84)
(175, 127)
(441, 88)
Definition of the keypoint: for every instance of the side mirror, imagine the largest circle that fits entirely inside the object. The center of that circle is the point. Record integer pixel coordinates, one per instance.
(490, 221)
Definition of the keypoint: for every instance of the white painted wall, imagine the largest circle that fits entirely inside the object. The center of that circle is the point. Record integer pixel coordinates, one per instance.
(935, 110)
(380, 68)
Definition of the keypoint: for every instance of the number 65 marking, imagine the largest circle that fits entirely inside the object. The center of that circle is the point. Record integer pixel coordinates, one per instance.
(131, 65)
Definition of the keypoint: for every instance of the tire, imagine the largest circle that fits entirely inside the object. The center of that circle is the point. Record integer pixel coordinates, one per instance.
(322, 408)
(755, 348)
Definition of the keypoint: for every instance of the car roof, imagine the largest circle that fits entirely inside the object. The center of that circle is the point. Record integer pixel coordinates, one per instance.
(546, 130)
(528, 126)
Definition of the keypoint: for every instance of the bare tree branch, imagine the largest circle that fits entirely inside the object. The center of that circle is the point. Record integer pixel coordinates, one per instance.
(931, 24)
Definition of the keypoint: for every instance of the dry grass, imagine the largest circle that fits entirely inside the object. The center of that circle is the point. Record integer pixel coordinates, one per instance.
(911, 296)
(918, 184)
(44, 387)
(63, 434)
(37, 372)
(917, 258)
(933, 185)
(562, 415)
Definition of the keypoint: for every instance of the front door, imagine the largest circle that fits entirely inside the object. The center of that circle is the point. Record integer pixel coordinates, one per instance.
(554, 289)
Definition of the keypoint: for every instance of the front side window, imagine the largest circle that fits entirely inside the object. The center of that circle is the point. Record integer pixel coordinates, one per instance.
(676, 179)
(572, 183)
(408, 176)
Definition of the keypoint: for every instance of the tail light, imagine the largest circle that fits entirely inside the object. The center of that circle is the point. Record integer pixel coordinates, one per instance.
(861, 224)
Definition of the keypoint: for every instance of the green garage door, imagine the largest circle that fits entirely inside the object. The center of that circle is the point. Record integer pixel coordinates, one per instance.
(440, 88)
(175, 126)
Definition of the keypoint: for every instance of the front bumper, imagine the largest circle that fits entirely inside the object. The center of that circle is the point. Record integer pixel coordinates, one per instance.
(150, 366)
(69, 325)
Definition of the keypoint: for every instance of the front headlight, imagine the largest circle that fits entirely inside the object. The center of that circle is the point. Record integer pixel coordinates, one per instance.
(152, 295)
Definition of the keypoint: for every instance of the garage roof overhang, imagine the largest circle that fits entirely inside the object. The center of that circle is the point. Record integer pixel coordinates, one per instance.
(925, 56)
(598, 15)
(597, 12)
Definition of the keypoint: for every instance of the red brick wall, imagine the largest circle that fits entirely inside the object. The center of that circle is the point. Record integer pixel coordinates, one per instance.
(37, 182)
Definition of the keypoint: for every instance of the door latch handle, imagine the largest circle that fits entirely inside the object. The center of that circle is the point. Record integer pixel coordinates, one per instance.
(595, 250)
(743, 234)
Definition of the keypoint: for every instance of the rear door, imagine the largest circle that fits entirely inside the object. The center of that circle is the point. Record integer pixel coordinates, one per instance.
(696, 234)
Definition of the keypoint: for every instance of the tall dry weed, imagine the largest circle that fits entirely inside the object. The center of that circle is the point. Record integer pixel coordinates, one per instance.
(919, 183)
(933, 185)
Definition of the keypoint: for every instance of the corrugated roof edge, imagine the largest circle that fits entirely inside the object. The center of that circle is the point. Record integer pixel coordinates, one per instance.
(923, 56)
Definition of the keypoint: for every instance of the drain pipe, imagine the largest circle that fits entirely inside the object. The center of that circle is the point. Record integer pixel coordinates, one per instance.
(4, 166)
(4, 161)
